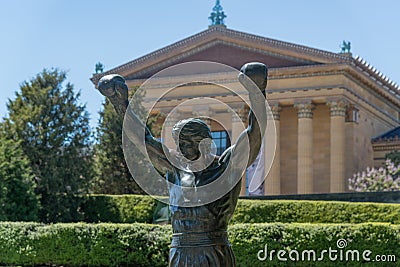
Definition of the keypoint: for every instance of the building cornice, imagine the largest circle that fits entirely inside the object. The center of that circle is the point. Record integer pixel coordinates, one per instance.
(275, 46)
(317, 55)
(393, 95)
(376, 75)
(325, 62)
(385, 145)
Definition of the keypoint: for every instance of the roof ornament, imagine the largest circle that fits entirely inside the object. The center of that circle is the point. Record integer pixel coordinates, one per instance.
(345, 46)
(217, 15)
(99, 68)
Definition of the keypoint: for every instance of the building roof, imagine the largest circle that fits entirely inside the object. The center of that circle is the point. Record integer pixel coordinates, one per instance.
(391, 135)
(234, 48)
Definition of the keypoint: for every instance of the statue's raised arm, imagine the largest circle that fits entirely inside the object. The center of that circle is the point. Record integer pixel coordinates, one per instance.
(113, 86)
(258, 73)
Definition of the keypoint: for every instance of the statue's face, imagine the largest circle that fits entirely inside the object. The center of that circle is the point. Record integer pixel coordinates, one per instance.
(194, 140)
(189, 149)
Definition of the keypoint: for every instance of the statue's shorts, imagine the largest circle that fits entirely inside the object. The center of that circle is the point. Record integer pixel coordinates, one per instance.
(205, 249)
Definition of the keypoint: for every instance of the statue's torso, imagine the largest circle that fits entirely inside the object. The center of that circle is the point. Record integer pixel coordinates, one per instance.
(209, 217)
(199, 233)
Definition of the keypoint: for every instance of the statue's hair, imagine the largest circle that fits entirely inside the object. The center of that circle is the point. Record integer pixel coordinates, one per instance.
(189, 128)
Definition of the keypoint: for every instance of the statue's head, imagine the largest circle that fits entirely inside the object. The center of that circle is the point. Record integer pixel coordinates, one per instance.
(192, 137)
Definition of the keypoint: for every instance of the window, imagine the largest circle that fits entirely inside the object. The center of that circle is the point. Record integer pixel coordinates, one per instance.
(221, 140)
(352, 115)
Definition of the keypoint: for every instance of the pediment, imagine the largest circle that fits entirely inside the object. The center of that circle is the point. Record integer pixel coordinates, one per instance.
(226, 53)
(225, 46)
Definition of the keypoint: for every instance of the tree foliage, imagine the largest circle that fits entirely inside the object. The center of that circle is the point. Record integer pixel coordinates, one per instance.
(394, 157)
(18, 201)
(113, 175)
(54, 133)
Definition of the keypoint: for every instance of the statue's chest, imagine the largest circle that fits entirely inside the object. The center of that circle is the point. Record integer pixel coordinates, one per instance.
(187, 178)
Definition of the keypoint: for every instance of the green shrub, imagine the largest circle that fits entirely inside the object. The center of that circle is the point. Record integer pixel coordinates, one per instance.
(84, 244)
(385, 178)
(248, 239)
(287, 211)
(138, 208)
(81, 244)
(119, 208)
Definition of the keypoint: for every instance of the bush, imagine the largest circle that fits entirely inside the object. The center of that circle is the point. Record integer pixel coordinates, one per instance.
(137, 208)
(248, 239)
(84, 244)
(119, 208)
(148, 245)
(377, 180)
(289, 211)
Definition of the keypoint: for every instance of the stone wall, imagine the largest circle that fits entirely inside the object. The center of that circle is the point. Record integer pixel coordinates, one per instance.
(382, 197)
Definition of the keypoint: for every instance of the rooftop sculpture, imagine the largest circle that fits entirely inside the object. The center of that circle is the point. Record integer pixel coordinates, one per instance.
(217, 16)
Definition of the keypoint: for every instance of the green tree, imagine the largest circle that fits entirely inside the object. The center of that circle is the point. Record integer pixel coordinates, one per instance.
(113, 173)
(18, 201)
(394, 157)
(54, 132)
(113, 176)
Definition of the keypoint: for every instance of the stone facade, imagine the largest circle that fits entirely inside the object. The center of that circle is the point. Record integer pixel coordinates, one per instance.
(326, 107)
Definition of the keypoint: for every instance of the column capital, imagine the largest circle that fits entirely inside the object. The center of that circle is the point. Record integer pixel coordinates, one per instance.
(304, 109)
(338, 107)
(274, 111)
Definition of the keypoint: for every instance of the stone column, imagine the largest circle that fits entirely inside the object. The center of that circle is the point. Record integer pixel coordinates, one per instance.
(305, 147)
(238, 126)
(338, 140)
(272, 183)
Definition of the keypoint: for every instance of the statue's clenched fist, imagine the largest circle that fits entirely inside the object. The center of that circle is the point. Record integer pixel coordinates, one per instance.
(114, 88)
(257, 72)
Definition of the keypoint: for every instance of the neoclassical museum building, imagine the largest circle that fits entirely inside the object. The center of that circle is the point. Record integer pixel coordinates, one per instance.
(334, 114)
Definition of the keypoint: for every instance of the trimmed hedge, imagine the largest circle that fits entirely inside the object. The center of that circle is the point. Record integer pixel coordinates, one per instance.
(147, 245)
(137, 208)
(305, 211)
(119, 208)
(248, 239)
(79, 244)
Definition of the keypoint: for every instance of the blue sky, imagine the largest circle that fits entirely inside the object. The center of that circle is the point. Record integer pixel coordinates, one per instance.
(74, 35)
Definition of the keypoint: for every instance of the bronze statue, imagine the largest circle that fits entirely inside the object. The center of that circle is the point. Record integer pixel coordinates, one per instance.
(200, 232)
(345, 46)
